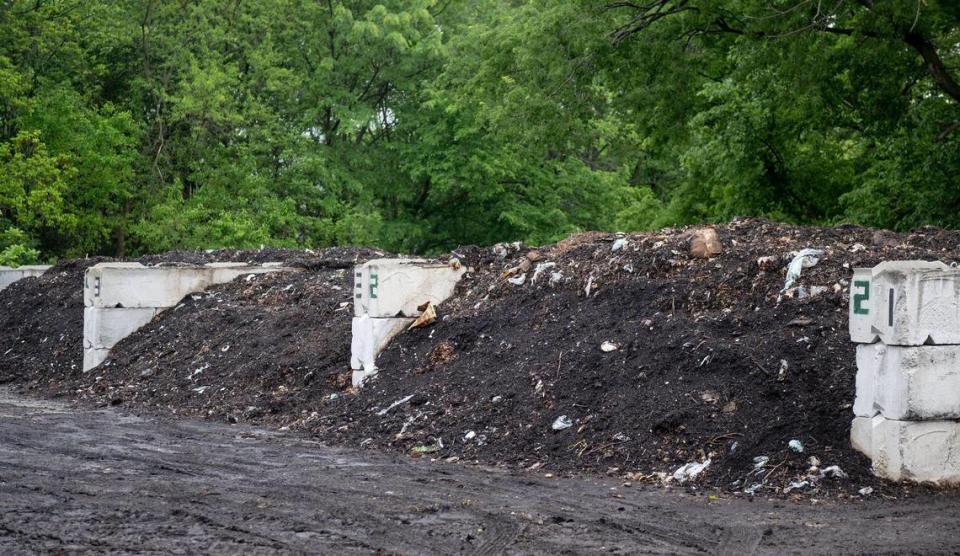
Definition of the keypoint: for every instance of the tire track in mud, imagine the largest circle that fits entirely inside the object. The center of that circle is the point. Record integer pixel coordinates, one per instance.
(74, 480)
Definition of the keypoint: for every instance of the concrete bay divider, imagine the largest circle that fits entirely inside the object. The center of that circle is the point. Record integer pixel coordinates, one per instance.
(906, 317)
(119, 298)
(387, 297)
(907, 303)
(10, 275)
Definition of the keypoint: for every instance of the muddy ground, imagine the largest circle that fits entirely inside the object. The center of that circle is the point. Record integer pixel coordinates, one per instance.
(74, 480)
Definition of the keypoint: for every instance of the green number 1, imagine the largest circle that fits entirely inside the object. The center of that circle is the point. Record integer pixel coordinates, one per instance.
(860, 298)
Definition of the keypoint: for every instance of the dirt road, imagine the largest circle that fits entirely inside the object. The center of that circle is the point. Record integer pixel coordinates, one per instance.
(80, 480)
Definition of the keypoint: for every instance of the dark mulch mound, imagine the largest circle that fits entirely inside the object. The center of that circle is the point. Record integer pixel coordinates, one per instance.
(696, 375)
(41, 324)
(41, 319)
(262, 349)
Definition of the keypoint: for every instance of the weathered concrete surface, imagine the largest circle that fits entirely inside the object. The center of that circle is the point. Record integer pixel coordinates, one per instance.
(83, 481)
(918, 451)
(908, 303)
(133, 285)
(387, 288)
(92, 357)
(10, 275)
(103, 328)
(908, 383)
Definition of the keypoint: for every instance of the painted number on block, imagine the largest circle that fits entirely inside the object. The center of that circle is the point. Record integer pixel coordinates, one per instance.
(373, 286)
(861, 297)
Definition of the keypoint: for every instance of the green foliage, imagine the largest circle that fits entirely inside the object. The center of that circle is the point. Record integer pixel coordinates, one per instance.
(419, 125)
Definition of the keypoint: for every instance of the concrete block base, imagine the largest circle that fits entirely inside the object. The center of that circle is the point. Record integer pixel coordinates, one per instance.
(908, 383)
(92, 357)
(358, 378)
(370, 337)
(918, 451)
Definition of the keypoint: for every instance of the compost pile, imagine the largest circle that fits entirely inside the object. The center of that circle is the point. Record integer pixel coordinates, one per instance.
(261, 349)
(41, 324)
(631, 355)
(627, 355)
(41, 318)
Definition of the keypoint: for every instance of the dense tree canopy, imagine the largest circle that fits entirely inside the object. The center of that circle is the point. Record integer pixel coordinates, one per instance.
(129, 126)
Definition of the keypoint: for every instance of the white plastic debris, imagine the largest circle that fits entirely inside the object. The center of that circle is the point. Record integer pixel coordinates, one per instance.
(386, 410)
(782, 373)
(806, 258)
(607, 347)
(752, 489)
(556, 278)
(796, 446)
(540, 268)
(833, 471)
(760, 461)
(690, 470)
(796, 485)
(866, 491)
(562, 422)
(469, 436)
(619, 245)
(518, 280)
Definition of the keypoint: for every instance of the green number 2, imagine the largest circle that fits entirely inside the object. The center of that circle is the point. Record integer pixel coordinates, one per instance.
(374, 282)
(860, 298)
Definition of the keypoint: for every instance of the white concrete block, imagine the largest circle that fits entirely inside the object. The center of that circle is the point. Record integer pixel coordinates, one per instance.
(104, 328)
(129, 285)
(10, 275)
(906, 303)
(92, 357)
(918, 451)
(370, 337)
(386, 288)
(908, 383)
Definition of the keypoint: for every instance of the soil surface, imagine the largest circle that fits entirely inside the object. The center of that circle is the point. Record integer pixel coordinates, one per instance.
(611, 354)
(74, 480)
(645, 358)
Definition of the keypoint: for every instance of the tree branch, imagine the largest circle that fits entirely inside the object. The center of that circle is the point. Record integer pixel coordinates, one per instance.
(941, 75)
